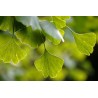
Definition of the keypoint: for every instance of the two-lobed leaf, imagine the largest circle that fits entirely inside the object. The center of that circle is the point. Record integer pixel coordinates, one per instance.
(11, 49)
(85, 42)
(49, 65)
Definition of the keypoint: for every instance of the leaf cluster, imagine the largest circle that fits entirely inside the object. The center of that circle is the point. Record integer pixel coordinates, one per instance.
(20, 34)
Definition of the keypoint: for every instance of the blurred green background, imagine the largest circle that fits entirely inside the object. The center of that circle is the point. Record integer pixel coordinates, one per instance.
(76, 67)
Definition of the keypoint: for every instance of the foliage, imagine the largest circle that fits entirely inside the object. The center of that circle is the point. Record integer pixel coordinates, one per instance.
(20, 35)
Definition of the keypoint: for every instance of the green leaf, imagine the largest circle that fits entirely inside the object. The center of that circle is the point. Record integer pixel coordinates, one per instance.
(85, 42)
(49, 65)
(6, 23)
(28, 36)
(51, 32)
(29, 21)
(11, 49)
(60, 21)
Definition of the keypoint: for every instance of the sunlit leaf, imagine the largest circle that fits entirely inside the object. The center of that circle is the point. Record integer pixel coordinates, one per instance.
(49, 65)
(11, 49)
(85, 42)
(60, 21)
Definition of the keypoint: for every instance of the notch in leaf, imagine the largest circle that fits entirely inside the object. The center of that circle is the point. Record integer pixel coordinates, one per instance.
(49, 65)
(85, 42)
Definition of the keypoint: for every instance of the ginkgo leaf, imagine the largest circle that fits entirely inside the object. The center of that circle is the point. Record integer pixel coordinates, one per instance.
(29, 21)
(85, 42)
(49, 64)
(30, 37)
(60, 21)
(51, 32)
(6, 23)
(11, 49)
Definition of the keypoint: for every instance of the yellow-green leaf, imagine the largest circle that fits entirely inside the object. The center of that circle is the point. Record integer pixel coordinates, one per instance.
(60, 21)
(11, 49)
(49, 64)
(85, 42)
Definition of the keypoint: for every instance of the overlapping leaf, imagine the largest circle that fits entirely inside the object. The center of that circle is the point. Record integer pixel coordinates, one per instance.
(49, 64)
(60, 21)
(28, 36)
(85, 42)
(51, 32)
(6, 23)
(29, 21)
(11, 49)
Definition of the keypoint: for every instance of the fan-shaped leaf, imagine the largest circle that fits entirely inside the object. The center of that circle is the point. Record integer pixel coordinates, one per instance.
(11, 49)
(85, 42)
(49, 64)
(60, 21)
